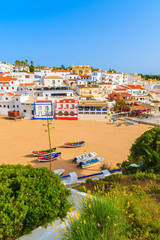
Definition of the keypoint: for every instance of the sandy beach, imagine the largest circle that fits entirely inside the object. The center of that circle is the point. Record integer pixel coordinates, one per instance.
(18, 138)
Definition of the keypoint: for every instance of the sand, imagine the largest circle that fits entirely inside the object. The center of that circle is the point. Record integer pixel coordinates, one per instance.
(19, 137)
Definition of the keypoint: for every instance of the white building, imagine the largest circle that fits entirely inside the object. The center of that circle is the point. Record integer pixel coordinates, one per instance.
(53, 81)
(8, 84)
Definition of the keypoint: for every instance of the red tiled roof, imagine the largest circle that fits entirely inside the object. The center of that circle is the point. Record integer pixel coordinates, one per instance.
(120, 89)
(26, 84)
(72, 79)
(7, 79)
(45, 69)
(83, 75)
(154, 92)
(60, 70)
(17, 95)
(4, 73)
(9, 93)
(105, 83)
(135, 86)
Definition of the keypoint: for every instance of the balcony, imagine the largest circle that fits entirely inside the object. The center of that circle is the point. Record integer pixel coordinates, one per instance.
(97, 109)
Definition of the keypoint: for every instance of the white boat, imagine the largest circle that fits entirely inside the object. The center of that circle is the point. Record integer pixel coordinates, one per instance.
(59, 171)
(85, 157)
(90, 163)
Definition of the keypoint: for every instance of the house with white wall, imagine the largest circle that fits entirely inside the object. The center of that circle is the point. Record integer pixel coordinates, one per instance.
(42, 108)
(53, 81)
(8, 84)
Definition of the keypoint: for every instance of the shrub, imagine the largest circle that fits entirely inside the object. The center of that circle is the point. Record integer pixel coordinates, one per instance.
(98, 218)
(29, 197)
(124, 213)
(146, 150)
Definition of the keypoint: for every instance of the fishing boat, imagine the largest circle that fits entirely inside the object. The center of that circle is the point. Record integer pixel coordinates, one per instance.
(85, 157)
(43, 152)
(47, 158)
(74, 144)
(90, 163)
(59, 171)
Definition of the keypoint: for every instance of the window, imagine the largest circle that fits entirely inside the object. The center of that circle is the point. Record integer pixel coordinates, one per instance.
(12, 87)
(66, 113)
(1, 87)
(73, 106)
(53, 81)
(60, 113)
(7, 88)
(4, 106)
(17, 106)
(6, 98)
(72, 113)
(14, 106)
(59, 81)
(24, 110)
(8, 106)
(16, 99)
(0, 105)
(61, 106)
(67, 106)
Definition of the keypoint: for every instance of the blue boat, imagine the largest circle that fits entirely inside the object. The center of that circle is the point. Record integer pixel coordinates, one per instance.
(74, 144)
(91, 163)
(49, 157)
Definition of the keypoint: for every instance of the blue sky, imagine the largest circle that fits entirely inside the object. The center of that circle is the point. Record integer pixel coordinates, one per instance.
(119, 34)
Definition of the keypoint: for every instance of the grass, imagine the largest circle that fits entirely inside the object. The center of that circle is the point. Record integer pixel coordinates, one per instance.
(118, 207)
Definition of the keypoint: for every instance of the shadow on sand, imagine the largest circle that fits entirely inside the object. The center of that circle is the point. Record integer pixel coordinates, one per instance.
(29, 155)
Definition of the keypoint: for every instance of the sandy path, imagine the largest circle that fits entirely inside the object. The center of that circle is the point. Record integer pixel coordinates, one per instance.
(18, 138)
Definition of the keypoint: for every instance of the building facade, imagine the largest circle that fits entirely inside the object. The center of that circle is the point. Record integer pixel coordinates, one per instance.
(66, 109)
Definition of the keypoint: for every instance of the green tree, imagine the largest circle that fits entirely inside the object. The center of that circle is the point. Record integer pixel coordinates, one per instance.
(70, 68)
(29, 197)
(26, 62)
(31, 68)
(146, 150)
(31, 62)
(118, 106)
(112, 71)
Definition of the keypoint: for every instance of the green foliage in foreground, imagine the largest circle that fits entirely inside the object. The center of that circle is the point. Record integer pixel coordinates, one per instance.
(124, 213)
(29, 197)
(145, 150)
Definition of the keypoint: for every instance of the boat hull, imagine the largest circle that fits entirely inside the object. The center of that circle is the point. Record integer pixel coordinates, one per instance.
(86, 157)
(59, 171)
(43, 152)
(91, 163)
(74, 144)
(47, 160)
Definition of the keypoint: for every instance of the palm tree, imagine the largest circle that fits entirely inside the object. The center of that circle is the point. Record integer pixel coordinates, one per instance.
(119, 106)
(32, 63)
(26, 62)
(152, 159)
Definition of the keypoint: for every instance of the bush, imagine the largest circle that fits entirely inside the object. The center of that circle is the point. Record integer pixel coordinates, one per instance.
(98, 218)
(124, 213)
(29, 197)
(145, 150)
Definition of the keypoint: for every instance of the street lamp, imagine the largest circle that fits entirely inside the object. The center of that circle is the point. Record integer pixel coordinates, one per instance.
(49, 138)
